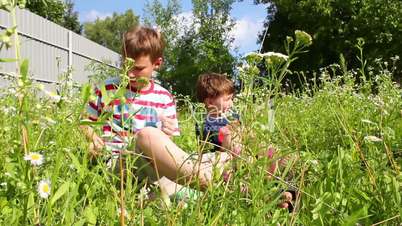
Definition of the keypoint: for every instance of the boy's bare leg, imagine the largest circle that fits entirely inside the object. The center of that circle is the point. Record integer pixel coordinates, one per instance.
(172, 162)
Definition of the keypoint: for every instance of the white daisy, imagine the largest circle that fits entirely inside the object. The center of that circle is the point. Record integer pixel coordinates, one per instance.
(44, 188)
(35, 158)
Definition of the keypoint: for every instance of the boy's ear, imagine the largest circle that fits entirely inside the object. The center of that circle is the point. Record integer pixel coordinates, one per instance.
(158, 62)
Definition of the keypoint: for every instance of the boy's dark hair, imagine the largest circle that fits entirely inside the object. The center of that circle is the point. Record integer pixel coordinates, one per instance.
(141, 41)
(212, 85)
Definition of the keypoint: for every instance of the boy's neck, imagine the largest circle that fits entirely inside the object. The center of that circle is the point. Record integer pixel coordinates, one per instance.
(214, 113)
(140, 87)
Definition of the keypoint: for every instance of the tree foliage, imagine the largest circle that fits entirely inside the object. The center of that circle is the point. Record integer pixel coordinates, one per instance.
(336, 25)
(70, 17)
(109, 31)
(196, 43)
(59, 12)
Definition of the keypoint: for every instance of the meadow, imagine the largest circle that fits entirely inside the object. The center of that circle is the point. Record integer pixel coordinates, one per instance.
(342, 132)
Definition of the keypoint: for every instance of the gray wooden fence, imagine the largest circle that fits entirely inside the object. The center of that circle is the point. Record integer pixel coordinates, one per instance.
(52, 49)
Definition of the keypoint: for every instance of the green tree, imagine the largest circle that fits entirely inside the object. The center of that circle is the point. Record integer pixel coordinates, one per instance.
(109, 31)
(199, 45)
(336, 25)
(59, 12)
(48, 9)
(70, 18)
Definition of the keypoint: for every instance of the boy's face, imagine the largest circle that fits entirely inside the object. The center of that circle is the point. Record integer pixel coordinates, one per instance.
(143, 67)
(220, 104)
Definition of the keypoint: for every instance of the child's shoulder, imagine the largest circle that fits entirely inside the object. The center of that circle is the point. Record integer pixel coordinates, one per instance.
(160, 90)
(108, 82)
(112, 81)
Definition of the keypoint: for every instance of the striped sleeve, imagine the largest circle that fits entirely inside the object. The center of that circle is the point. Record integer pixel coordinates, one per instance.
(94, 107)
(170, 112)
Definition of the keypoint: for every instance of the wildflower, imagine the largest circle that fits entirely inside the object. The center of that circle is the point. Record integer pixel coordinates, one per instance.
(50, 121)
(9, 110)
(303, 37)
(56, 98)
(244, 188)
(35, 158)
(124, 211)
(20, 83)
(12, 91)
(271, 168)
(243, 68)
(373, 138)
(226, 175)
(44, 188)
(368, 121)
(289, 39)
(253, 57)
(67, 149)
(240, 69)
(40, 86)
(21, 185)
(275, 56)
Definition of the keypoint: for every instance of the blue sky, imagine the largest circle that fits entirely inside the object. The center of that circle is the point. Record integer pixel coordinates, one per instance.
(248, 17)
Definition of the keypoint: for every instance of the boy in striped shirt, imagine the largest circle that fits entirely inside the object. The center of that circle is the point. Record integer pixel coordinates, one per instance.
(143, 105)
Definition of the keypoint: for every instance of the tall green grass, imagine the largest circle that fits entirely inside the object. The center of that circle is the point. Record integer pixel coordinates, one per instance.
(343, 138)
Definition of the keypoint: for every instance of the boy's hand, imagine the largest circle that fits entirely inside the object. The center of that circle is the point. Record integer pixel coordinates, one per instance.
(168, 125)
(96, 146)
(98, 143)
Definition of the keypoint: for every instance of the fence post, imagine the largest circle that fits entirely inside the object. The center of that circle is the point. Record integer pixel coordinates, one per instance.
(70, 49)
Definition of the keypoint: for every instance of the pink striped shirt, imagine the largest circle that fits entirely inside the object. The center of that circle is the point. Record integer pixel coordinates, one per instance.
(139, 110)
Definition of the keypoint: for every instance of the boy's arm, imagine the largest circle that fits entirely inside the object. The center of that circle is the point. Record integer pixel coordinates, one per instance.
(97, 143)
(231, 137)
(168, 118)
(93, 110)
(169, 126)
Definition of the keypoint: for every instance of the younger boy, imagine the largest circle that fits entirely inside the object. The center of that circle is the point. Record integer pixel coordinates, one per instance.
(216, 92)
(219, 127)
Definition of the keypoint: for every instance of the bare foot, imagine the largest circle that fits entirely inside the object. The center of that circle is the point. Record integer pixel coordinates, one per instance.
(286, 203)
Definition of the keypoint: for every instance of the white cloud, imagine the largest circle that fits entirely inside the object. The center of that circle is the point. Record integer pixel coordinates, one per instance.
(245, 34)
(185, 20)
(93, 15)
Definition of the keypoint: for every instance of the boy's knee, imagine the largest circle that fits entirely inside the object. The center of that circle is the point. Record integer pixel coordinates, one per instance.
(147, 133)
